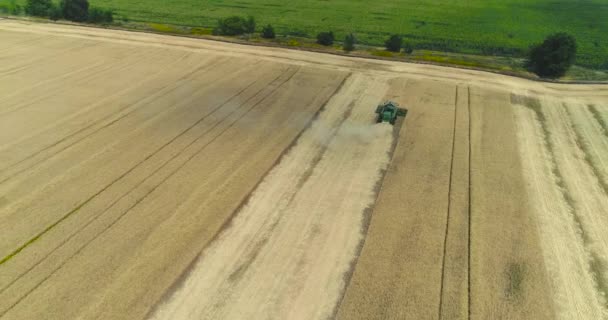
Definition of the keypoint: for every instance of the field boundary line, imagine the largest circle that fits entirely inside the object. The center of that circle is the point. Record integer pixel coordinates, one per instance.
(447, 220)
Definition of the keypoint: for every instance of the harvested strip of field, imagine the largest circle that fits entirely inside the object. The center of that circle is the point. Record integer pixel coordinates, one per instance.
(286, 252)
(508, 277)
(601, 117)
(566, 255)
(583, 187)
(398, 274)
(592, 139)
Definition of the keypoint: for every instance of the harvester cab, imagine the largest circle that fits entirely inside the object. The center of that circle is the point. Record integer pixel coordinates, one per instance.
(389, 111)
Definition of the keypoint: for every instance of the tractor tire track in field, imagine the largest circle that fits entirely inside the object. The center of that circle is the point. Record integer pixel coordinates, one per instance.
(469, 197)
(284, 255)
(99, 70)
(151, 189)
(32, 62)
(598, 117)
(79, 76)
(75, 208)
(591, 155)
(58, 78)
(591, 206)
(447, 219)
(552, 125)
(137, 105)
(130, 170)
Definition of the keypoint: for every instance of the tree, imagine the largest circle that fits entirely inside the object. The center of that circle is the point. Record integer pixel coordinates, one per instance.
(38, 8)
(234, 25)
(268, 32)
(11, 8)
(55, 13)
(408, 48)
(394, 43)
(553, 57)
(325, 38)
(97, 15)
(349, 42)
(75, 10)
(108, 16)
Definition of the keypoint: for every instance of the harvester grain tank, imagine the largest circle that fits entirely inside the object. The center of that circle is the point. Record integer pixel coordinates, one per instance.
(389, 111)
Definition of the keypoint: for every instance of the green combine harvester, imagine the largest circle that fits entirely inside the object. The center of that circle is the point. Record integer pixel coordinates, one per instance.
(389, 111)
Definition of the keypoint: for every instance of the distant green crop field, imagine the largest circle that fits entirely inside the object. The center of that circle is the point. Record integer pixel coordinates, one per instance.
(468, 26)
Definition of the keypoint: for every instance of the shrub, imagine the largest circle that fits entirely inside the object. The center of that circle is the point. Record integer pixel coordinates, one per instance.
(293, 43)
(55, 13)
(250, 25)
(234, 25)
(394, 43)
(325, 38)
(75, 10)
(39, 8)
(11, 8)
(268, 32)
(97, 15)
(553, 57)
(161, 27)
(200, 31)
(108, 16)
(349, 42)
(408, 48)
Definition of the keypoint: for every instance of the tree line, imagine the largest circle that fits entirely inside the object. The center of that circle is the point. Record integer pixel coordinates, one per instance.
(73, 10)
(550, 59)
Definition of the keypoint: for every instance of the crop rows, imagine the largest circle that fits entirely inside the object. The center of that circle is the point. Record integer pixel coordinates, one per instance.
(570, 199)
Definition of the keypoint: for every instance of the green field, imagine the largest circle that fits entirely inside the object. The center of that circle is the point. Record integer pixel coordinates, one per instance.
(489, 27)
